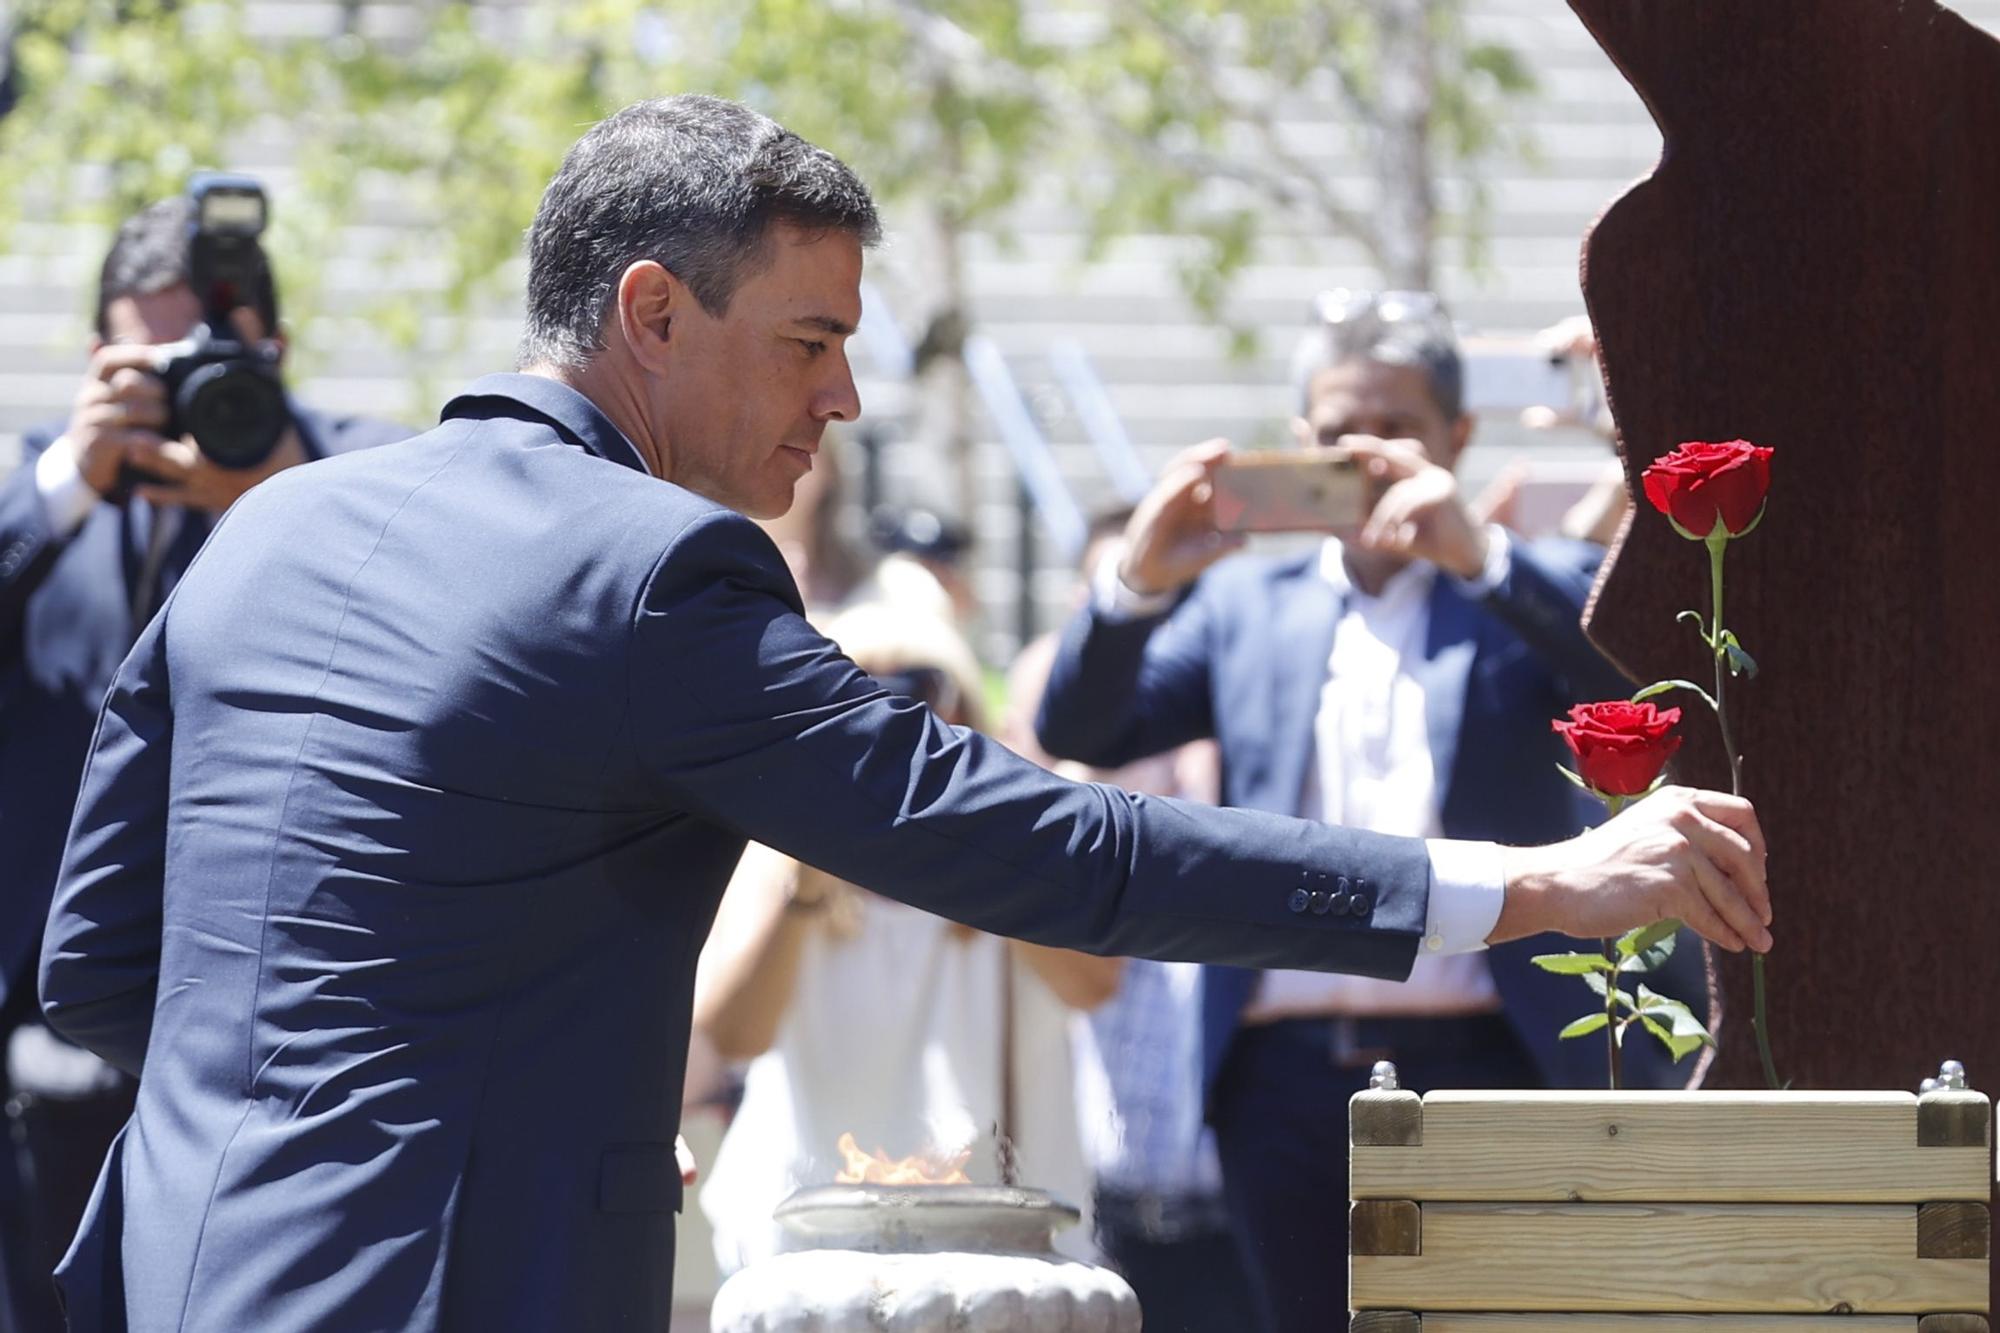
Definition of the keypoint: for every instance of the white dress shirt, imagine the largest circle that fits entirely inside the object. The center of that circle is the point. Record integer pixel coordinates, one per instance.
(1468, 881)
(1372, 770)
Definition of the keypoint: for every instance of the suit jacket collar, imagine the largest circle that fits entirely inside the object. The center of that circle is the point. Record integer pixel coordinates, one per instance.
(1308, 609)
(577, 418)
(1444, 672)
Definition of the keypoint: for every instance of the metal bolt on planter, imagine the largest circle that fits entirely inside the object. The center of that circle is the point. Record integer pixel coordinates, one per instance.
(1383, 1077)
(1951, 1075)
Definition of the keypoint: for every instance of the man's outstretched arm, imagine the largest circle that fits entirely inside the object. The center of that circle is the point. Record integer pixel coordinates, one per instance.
(745, 715)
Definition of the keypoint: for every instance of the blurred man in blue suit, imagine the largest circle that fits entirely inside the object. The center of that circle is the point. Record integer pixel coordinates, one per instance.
(408, 815)
(82, 567)
(1401, 681)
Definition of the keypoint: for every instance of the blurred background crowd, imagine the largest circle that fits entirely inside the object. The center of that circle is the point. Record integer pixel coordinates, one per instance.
(1118, 228)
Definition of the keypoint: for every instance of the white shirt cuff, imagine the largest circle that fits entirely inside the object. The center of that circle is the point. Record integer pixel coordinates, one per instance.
(1499, 563)
(67, 498)
(1468, 888)
(1110, 598)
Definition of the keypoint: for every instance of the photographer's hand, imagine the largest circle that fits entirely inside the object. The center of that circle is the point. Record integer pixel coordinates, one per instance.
(1421, 516)
(186, 476)
(1171, 537)
(120, 406)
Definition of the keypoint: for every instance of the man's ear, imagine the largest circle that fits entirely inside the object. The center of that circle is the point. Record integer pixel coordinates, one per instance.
(1461, 435)
(650, 298)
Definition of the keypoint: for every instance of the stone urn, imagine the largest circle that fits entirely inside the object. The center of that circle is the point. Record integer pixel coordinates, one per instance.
(914, 1258)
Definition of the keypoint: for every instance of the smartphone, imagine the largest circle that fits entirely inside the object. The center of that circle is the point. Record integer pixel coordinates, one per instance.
(1297, 490)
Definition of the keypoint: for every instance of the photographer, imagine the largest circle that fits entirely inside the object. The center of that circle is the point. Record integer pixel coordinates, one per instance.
(97, 525)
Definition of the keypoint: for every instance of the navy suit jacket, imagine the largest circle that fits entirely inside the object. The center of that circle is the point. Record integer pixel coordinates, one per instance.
(1243, 658)
(407, 818)
(65, 625)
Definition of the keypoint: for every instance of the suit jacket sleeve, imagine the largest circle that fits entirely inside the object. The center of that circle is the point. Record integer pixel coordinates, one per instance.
(28, 548)
(744, 715)
(1125, 688)
(1542, 600)
(101, 950)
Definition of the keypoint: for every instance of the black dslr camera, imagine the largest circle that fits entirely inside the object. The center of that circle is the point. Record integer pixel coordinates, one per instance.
(221, 390)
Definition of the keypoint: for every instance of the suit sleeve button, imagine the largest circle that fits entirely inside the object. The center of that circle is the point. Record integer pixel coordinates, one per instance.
(1300, 900)
(1359, 905)
(1321, 901)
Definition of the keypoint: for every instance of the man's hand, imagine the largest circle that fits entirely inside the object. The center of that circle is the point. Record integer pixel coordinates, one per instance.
(1171, 537)
(122, 405)
(1696, 855)
(1421, 516)
(187, 477)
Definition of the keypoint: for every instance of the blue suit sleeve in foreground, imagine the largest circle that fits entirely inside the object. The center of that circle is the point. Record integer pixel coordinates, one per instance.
(101, 952)
(746, 716)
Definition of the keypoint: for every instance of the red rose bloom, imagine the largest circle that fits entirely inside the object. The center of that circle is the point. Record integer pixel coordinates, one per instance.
(1698, 483)
(1620, 747)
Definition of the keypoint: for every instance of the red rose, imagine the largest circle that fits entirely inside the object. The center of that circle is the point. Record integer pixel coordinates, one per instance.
(1620, 747)
(1699, 483)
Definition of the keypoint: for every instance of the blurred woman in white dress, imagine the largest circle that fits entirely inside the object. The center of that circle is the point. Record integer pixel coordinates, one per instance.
(861, 1015)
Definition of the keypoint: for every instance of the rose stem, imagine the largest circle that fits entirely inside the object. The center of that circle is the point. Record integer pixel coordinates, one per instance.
(1718, 542)
(1617, 1058)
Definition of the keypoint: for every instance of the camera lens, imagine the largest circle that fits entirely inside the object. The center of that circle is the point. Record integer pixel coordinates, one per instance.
(235, 411)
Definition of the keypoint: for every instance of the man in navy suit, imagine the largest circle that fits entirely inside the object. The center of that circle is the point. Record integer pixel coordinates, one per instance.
(408, 815)
(79, 575)
(1402, 681)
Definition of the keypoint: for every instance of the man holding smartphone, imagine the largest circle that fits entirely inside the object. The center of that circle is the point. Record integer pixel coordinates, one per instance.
(1398, 677)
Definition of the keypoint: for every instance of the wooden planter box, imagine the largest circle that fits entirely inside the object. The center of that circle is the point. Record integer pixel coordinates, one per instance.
(1636, 1212)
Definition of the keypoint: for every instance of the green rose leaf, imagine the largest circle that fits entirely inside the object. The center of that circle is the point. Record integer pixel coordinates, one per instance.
(1660, 687)
(1740, 662)
(1584, 1026)
(1634, 942)
(1574, 964)
(1682, 1032)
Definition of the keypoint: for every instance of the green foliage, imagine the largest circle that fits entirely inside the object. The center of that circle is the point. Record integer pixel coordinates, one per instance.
(1636, 952)
(1574, 964)
(1153, 115)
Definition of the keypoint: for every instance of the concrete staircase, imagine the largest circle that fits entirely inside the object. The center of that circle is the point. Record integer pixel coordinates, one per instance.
(1167, 372)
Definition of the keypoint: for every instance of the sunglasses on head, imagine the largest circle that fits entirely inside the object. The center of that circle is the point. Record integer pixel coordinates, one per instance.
(1359, 319)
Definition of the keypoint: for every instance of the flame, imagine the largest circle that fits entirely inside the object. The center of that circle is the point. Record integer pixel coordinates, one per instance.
(877, 1169)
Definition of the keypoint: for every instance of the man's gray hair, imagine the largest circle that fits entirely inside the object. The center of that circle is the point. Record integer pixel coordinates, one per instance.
(1395, 328)
(691, 182)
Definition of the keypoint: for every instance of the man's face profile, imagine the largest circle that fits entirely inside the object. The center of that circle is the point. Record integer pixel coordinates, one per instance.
(1361, 396)
(1391, 402)
(748, 394)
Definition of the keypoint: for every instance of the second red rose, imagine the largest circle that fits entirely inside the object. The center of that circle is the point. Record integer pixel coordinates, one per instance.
(1620, 747)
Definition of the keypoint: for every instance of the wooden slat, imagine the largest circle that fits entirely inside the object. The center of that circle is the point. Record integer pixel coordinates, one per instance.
(1671, 1323)
(1954, 1118)
(1386, 1119)
(1670, 1147)
(1951, 1231)
(1385, 1226)
(1673, 1258)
